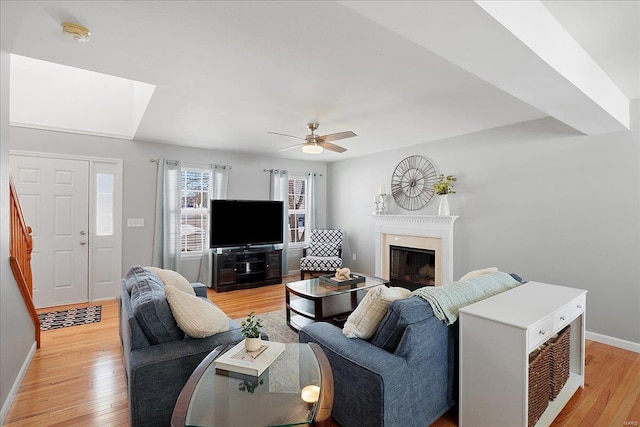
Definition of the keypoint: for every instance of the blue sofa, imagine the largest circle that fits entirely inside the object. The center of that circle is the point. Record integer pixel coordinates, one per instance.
(158, 357)
(405, 375)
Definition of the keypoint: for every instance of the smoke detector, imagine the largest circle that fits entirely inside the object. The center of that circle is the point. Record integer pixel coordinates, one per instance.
(76, 31)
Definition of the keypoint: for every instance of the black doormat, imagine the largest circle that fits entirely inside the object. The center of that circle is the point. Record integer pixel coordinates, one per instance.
(72, 317)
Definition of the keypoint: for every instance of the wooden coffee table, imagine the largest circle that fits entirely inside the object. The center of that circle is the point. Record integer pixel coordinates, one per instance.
(311, 300)
(218, 399)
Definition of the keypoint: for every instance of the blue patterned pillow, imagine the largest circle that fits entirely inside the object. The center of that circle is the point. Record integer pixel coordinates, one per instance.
(152, 311)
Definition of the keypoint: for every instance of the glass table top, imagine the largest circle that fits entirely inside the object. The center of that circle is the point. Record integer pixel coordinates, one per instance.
(317, 288)
(276, 398)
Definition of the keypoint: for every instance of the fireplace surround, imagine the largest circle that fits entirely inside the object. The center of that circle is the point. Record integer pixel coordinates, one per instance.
(422, 232)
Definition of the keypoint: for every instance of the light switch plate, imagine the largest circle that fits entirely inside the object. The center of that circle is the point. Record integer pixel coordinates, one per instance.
(135, 222)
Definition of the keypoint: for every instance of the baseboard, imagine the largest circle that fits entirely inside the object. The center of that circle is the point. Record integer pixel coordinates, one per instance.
(615, 342)
(16, 385)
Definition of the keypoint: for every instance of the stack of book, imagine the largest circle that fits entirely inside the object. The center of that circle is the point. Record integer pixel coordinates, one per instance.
(252, 363)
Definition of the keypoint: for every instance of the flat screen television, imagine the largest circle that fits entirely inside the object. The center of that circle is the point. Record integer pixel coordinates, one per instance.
(246, 222)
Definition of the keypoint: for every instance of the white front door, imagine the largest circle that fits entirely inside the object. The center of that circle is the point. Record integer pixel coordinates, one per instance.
(54, 194)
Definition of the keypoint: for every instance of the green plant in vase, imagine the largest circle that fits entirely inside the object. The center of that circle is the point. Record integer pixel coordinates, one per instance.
(250, 328)
(443, 187)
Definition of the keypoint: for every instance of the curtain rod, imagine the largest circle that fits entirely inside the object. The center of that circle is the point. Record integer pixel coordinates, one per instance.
(175, 162)
(284, 170)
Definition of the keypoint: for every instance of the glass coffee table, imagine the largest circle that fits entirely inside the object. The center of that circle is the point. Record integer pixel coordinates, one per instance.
(296, 389)
(313, 300)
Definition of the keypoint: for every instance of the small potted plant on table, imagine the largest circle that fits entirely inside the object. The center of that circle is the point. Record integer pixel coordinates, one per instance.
(250, 328)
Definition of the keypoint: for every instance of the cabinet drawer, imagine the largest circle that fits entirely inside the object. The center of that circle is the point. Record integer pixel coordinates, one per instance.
(540, 332)
(561, 317)
(578, 305)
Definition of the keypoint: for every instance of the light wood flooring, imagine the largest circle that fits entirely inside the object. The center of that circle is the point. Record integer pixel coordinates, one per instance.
(76, 378)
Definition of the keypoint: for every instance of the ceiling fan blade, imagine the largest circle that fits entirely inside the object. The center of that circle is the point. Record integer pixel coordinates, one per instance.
(291, 147)
(332, 147)
(337, 136)
(284, 134)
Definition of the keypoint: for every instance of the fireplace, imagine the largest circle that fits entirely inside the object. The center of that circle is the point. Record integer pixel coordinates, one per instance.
(427, 233)
(412, 268)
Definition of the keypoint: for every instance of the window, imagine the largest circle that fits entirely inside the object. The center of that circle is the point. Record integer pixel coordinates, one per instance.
(194, 213)
(297, 209)
(104, 205)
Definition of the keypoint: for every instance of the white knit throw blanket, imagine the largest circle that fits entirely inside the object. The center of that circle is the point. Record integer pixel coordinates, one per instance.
(448, 299)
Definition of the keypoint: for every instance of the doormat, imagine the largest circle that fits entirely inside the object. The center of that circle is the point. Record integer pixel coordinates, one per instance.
(72, 317)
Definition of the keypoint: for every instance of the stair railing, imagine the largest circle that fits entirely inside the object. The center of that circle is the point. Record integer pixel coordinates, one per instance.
(20, 247)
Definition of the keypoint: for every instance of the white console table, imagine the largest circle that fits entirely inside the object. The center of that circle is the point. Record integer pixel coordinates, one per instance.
(496, 337)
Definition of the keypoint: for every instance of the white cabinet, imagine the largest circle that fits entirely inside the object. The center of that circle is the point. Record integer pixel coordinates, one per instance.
(496, 337)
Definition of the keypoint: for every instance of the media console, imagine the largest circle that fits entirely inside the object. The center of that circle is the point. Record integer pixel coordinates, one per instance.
(246, 269)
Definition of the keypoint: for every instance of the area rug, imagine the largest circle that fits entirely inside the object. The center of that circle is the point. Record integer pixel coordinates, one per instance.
(73, 317)
(275, 326)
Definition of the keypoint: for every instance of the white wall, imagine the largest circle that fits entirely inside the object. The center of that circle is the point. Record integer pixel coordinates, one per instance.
(17, 335)
(247, 179)
(536, 199)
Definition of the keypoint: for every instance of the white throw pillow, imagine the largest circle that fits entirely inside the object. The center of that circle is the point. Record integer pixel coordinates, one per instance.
(172, 278)
(364, 320)
(196, 317)
(476, 273)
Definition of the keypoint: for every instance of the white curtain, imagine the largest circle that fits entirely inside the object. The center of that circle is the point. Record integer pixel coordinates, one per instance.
(166, 232)
(279, 190)
(217, 190)
(312, 201)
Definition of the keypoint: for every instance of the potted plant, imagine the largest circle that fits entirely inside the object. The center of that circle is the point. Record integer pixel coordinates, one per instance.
(250, 328)
(444, 187)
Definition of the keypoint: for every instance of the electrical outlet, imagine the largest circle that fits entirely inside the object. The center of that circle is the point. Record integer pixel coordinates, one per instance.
(353, 256)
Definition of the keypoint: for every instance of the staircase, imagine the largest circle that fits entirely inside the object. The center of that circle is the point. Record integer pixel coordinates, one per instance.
(20, 247)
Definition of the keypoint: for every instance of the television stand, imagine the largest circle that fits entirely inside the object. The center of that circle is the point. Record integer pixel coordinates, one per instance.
(246, 269)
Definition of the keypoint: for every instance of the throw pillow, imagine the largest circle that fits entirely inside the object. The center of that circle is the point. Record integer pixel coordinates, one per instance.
(195, 316)
(364, 320)
(476, 273)
(323, 249)
(151, 309)
(172, 278)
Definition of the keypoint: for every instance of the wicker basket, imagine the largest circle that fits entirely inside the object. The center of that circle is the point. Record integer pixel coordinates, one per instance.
(539, 384)
(559, 361)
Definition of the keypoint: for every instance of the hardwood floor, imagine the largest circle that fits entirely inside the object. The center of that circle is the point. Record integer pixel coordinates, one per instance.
(76, 378)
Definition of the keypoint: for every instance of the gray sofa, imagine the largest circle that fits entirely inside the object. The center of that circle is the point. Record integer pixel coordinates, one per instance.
(158, 356)
(405, 375)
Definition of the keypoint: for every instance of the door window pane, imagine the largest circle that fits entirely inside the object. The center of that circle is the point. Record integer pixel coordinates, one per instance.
(104, 204)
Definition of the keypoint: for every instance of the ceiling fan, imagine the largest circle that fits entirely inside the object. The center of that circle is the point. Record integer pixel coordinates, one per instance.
(315, 144)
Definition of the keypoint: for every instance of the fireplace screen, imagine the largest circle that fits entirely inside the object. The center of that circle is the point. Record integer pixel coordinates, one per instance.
(412, 268)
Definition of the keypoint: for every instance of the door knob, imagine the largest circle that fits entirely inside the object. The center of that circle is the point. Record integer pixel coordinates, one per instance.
(82, 233)
(83, 242)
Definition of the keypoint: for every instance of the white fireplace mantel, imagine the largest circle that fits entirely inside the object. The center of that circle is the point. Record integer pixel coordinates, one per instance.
(430, 226)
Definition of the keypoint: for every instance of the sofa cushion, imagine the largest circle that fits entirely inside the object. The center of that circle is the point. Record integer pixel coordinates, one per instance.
(197, 317)
(476, 273)
(152, 311)
(401, 314)
(172, 278)
(134, 274)
(364, 320)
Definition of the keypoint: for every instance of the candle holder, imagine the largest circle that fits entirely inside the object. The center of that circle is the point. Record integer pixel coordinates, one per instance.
(381, 208)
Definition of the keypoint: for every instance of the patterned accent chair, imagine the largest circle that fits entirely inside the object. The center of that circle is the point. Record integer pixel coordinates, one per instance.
(324, 254)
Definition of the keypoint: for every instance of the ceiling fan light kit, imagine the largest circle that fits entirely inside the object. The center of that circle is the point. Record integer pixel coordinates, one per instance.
(316, 144)
(76, 32)
(312, 149)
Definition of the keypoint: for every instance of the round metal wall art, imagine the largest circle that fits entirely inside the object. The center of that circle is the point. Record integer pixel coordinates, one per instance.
(412, 182)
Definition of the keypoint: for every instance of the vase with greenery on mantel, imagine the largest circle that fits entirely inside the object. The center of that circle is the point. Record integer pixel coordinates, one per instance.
(250, 328)
(443, 187)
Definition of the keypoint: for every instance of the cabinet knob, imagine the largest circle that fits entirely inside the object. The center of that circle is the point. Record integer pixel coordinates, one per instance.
(542, 332)
(561, 317)
(579, 305)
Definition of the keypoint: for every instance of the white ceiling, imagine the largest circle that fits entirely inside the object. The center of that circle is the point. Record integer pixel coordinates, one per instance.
(395, 73)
